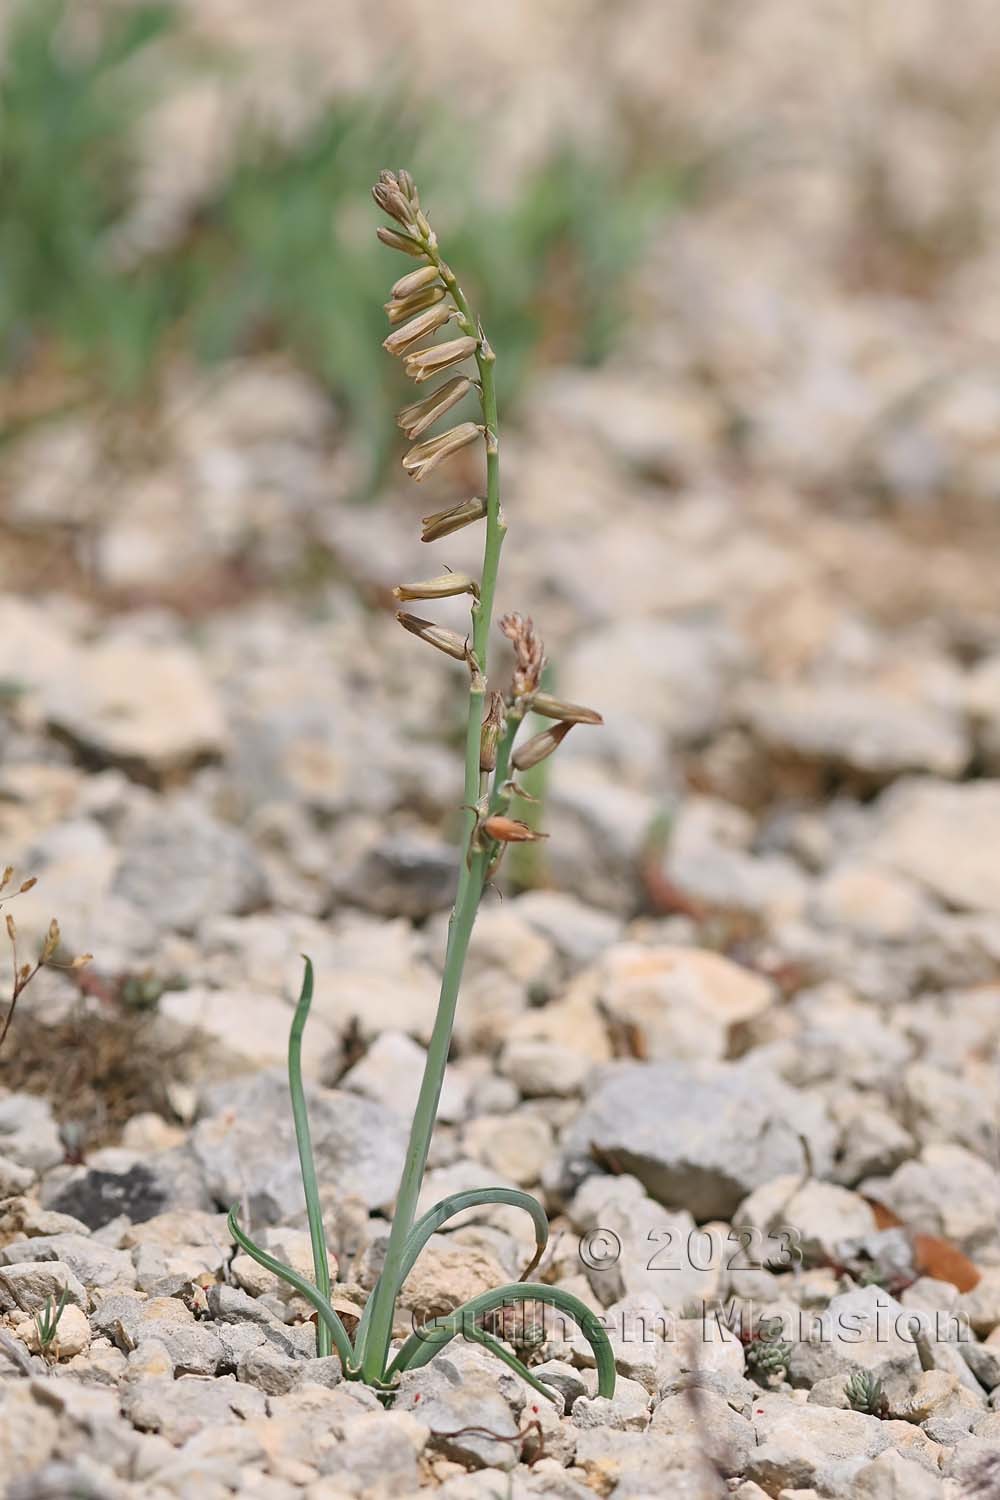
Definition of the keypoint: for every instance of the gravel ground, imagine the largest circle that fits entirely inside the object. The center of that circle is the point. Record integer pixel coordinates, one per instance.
(740, 1034)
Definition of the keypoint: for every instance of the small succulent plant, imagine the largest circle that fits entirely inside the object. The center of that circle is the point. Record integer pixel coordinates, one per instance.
(767, 1353)
(427, 300)
(865, 1393)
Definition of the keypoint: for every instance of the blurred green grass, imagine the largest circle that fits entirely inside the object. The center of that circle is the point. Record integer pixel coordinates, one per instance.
(282, 256)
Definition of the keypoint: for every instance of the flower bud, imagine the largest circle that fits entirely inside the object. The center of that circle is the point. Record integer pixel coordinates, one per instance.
(397, 241)
(414, 281)
(489, 736)
(448, 641)
(425, 457)
(408, 187)
(444, 587)
(539, 747)
(11, 929)
(510, 830)
(391, 201)
(572, 713)
(52, 938)
(6, 876)
(424, 364)
(398, 312)
(417, 418)
(444, 522)
(418, 328)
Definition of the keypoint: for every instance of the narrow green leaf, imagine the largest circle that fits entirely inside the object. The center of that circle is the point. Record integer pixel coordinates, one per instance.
(430, 1222)
(422, 1345)
(307, 1164)
(305, 1289)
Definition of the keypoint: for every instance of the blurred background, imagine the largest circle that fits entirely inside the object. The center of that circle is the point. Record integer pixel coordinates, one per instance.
(739, 264)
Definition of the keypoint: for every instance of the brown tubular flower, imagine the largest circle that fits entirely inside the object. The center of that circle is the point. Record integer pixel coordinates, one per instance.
(417, 418)
(405, 307)
(444, 522)
(490, 735)
(420, 327)
(404, 242)
(415, 281)
(571, 713)
(448, 641)
(445, 587)
(425, 457)
(424, 364)
(529, 656)
(510, 830)
(539, 747)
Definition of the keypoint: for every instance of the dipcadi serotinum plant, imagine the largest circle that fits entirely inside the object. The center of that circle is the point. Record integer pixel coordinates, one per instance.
(425, 300)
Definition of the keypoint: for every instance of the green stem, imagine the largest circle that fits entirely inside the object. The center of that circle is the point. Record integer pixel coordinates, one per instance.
(374, 1354)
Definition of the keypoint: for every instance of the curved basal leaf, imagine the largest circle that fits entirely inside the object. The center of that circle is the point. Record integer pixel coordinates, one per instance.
(430, 1222)
(480, 1336)
(422, 1345)
(305, 1289)
(303, 1139)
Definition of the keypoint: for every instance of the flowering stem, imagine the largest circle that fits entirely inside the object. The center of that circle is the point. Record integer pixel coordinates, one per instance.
(473, 866)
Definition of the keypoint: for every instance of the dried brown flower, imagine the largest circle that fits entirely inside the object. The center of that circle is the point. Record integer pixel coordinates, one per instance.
(490, 735)
(424, 364)
(425, 457)
(572, 713)
(529, 656)
(539, 747)
(510, 830)
(417, 418)
(448, 641)
(444, 522)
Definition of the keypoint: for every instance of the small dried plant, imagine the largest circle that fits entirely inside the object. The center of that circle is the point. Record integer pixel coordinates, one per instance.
(424, 301)
(24, 973)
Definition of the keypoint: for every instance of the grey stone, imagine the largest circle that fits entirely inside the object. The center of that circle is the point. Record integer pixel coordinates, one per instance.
(943, 835)
(802, 1447)
(94, 1264)
(698, 1137)
(631, 1245)
(178, 1409)
(892, 1477)
(245, 1143)
(947, 1191)
(646, 1463)
(448, 1401)
(824, 1216)
(118, 1182)
(390, 1073)
(705, 1422)
(29, 1135)
(626, 1411)
(14, 1179)
(578, 931)
(541, 1068)
(145, 707)
(180, 866)
(29, 1284)
(378, 1452)
(843, 723)
(407, 873)
(865, 1330)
